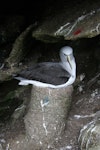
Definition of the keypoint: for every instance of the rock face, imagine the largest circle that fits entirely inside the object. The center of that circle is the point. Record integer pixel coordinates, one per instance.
(89, 138)
(59, 23)
(46, 118)
(70, 23)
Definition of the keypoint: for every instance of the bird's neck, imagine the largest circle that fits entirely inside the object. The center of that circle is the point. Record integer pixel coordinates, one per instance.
(71, 71)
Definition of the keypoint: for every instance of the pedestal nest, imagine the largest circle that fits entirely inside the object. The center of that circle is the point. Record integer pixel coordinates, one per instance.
(47, 115)
(45, 119)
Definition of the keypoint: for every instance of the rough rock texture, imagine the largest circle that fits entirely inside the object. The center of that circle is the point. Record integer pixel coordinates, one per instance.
(85, 103)
(89, 138)
(61, 22)
(46, 118)
(20, 47)
(10, 27)
(70, 21)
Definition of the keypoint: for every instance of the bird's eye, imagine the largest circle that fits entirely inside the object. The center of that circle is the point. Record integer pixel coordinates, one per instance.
(64, 54)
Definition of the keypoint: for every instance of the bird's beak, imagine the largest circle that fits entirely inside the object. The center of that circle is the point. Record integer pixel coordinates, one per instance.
(69, 61)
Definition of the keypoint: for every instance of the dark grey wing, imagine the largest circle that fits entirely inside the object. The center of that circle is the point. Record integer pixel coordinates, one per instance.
(48, 72)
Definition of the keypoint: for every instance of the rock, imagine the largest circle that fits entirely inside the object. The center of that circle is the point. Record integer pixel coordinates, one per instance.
(11, 26)
(47, 115)
(69, 23)
(1, 147)
(13, 102)
(45, 119)
(21, 46)
(89, 138)
(59, 23)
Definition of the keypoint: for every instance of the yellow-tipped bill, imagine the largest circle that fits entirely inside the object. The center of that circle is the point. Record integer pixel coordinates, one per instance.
(69, 61)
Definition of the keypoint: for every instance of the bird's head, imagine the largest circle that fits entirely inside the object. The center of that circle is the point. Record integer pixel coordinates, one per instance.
(68, 60)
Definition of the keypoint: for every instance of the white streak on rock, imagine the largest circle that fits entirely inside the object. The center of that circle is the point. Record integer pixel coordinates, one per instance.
(41, 143)
(85, 116)
(82, 76)
(83, 129)
(97, 29)
(91, 129)
(68, 27)
(83, 138)
(76, 22)
(7, 148)
(2, 66)
(69, 147)
(61, 28)
(44, 124)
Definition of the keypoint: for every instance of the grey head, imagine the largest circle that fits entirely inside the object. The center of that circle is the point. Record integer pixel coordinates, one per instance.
(68, 60)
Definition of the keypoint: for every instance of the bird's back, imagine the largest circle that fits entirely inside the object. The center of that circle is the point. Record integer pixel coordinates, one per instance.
(47, 72)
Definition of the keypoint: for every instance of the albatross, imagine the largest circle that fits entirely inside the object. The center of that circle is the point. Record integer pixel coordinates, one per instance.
(51, 74)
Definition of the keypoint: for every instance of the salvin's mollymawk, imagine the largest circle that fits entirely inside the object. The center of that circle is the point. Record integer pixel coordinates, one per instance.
(51, 74)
